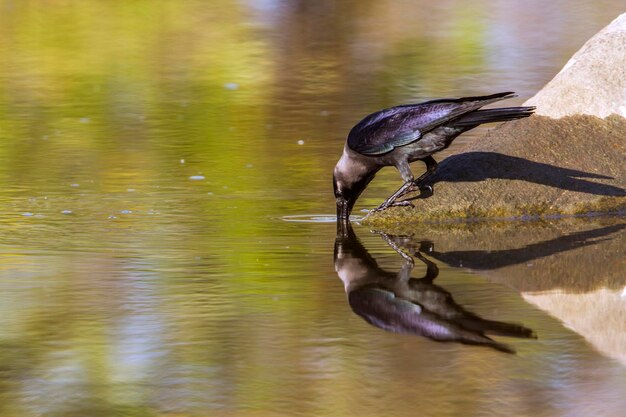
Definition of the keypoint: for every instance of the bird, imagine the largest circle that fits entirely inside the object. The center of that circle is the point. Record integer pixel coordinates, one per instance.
(400, 135)
(398, 303)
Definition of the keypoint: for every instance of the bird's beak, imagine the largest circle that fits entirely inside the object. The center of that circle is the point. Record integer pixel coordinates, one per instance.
(343, 210)
(343, 218)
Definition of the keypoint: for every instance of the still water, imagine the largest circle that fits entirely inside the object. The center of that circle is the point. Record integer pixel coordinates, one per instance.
(152, 153)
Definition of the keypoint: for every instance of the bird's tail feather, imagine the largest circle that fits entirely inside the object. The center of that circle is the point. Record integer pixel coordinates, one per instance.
(502, 114)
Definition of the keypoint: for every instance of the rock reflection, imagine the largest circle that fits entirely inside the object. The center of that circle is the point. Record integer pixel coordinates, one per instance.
(397, 302)
(573, 269)
(479, 259)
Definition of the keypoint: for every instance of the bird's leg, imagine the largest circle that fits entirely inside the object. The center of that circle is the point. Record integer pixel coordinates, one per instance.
(431, 167)
(410, 183)
(409, 260)
(407, 176)
(392, 199)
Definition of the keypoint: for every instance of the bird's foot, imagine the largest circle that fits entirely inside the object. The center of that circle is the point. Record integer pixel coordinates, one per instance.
(382, 207)
(425, 191)
(386, 205)
(393, 245)
(403, 203)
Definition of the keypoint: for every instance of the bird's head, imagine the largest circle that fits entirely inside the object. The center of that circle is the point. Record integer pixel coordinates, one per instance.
(345, 198)
(350, 178)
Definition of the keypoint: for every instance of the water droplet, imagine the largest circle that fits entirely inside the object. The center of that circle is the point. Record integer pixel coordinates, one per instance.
(182, 161)
(231, 86)
(130, 190)
(126, 211)
(74, 185)
(112, 217)
(196, 177)
(300, 142)
(66, 212)
(28, 214)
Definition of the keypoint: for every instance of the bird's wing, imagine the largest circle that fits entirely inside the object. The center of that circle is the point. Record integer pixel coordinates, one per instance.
(387, 129)
(382, 131)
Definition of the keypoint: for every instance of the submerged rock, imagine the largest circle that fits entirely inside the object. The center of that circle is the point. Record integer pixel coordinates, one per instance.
(543, 166)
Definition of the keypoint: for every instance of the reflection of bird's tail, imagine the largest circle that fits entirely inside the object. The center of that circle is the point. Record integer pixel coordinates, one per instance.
(503, 114)
(486, 341)
(496, 327)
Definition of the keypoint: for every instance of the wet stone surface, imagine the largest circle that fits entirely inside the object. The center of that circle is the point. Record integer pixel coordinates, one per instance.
(537, 166)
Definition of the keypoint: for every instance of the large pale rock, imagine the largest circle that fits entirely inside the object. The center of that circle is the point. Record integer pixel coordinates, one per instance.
(593, 81)
(543, 165)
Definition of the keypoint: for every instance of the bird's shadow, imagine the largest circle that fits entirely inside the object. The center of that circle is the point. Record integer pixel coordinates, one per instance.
(480, 166)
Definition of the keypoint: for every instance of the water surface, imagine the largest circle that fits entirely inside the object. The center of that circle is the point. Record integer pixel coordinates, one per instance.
(150, 153)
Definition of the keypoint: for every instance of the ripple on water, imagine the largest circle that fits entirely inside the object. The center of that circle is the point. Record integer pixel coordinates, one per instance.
(315, 218)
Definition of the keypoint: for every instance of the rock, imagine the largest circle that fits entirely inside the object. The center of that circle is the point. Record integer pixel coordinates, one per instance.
(593, 81)
(573, 163)
(532, 167)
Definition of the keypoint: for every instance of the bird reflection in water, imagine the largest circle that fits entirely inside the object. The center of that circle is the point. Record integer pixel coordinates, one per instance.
(396, 302)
